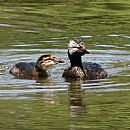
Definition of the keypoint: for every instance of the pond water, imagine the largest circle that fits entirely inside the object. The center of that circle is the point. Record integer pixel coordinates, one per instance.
(29, 29)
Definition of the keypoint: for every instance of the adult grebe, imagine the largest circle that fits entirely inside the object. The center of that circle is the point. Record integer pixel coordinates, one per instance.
(79, 70)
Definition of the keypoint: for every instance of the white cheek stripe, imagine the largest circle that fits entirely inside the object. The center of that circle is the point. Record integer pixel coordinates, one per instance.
(72, 50)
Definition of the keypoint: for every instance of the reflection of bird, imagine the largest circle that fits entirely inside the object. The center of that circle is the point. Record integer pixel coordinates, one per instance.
(77, 104)
(34, 70)
(85, 70)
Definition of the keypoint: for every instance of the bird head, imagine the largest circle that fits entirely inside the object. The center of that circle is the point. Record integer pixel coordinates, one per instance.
(46, 61)
(76, 45)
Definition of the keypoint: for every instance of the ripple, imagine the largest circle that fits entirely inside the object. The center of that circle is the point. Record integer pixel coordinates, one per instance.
(128, 45)
(126, 36)
(108, 90)
(58, 38)
(27, 31)
(109, 51)
(113, 35)
(104, 85)
(109, 46)
(48, 41)
(13, 51)
(21, 94)
(86, 36)
(5, 25)
(25, 45)
(9, 10)
(29, 91)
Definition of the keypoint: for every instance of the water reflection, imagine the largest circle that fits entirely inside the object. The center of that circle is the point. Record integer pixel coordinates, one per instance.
(49, 99)
(77, 106)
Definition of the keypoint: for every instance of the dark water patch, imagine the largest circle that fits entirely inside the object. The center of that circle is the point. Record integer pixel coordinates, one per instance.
(117, 6)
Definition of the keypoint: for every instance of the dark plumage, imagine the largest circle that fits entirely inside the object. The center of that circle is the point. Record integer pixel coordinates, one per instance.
(34, 70)
(79, 70)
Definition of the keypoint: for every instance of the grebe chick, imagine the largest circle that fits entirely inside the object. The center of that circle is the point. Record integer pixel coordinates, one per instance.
(79, 70)
(34, 70)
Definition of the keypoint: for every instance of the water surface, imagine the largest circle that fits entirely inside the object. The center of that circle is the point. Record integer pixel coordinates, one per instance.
(29, 29)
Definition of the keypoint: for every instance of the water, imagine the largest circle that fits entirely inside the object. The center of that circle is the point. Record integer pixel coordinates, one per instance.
(29, 29)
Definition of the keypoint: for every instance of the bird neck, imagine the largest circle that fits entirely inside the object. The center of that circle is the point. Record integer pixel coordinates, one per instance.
(42, 72)
(75, 60)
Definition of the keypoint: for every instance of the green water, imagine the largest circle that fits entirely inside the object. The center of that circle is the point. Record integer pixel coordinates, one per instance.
(30, 28)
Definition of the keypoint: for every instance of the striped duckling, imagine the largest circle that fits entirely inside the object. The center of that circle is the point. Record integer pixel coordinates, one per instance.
(35, 70)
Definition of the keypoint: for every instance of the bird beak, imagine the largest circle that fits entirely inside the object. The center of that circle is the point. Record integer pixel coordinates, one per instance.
(85, 51)
(60, 61)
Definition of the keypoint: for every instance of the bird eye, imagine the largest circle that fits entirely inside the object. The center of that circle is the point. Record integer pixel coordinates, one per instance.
(47, 61)
(55, 58)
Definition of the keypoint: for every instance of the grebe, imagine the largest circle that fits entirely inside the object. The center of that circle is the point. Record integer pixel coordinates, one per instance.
(79, 70)
(34, 70)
